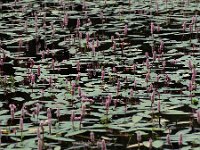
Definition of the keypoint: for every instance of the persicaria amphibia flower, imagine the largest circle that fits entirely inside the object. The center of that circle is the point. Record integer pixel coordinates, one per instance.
(58, 113)
(180, 140)
(48, 113)
(12, 110)
(112, 38)
(152, 27)
(198, 116)
(103, 145)
(83, 110)
(21, 124)
(72, 118)
(78, 23)
(38, 71)
(78, 66)
(102, 74)
(150, 143)
(152, 97)
(40, 144)
(114, 46)
(139, 137)
(23, 111)
(184, 26)
(92, 138)
(190, 65)
(158, 106)
(38, 133)
(125, 29)
(65, 20)
(107, 104)
(79, 91)
(168, 139)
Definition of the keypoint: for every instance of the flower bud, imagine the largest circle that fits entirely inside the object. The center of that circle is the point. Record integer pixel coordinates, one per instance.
(168, 139)
(125, 29)
(139, 137)
(180, 140)
(21, 124)
(103, 145)
(152, 27)
(92, 138)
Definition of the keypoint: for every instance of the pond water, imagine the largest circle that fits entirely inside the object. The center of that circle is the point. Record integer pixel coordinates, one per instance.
(106, 74)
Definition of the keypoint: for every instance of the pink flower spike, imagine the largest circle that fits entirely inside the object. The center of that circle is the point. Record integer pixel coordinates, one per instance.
(193, 20)
(92, 138)
(23, 111)
(161, 45)
(50, 81)
(168, 139)
(72, 116)
(190, 65)
(114, 46)
(38, 71)
(139, 137)
(158, 28)
(79, 91)
(40, 144)
(147, 63)
(93, 50)
(147, 76)
(37, 109)
(112, 38)
(97, 43)
(118, 85)
(103, 145)
(49, 124)
(49, 113)
(65, 20)
(134, 67)
(159, 106)
(164, 64)
(38, 133)
(190, 86)
(32, 62)
(194, 73)
(102, 74)
(154, 55)
(198, 116)
(73, 88)
(180, 140)
(77, 118)
(12, 111)
(83, 110)
(20, 43)
(157, 78)
(87, 37)
(184, 26)
(135, 83)
(78, 23)
(32, 79)
(131, 93)
(78, 66)
(152, 28)
(21, 124)
(152, 97)
(114, 70)
(58, 113)
(125, 29)
(147, 54)
(107, 105)
(150, 143)
(191, 28)
(167, 79)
